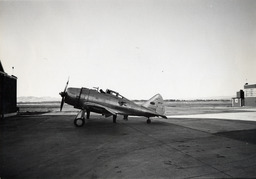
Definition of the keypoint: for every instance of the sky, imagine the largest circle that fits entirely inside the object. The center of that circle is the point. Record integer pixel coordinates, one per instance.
(182, 49)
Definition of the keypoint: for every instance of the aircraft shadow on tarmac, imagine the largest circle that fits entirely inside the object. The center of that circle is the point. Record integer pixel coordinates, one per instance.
(247, 136)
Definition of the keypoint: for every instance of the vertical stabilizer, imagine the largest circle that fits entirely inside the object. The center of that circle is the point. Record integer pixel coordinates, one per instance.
(156, 104)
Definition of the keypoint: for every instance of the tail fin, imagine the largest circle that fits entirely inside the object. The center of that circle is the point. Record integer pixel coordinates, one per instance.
(156, 103)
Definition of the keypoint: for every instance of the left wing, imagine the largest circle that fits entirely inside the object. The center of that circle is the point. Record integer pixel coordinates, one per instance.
(110, 110)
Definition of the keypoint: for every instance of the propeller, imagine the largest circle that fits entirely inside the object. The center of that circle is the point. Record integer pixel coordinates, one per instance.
(63, 95)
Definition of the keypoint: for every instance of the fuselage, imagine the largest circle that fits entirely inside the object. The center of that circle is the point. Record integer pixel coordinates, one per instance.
(81, 97)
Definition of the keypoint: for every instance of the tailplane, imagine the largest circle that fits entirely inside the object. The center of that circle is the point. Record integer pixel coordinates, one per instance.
(156, 104)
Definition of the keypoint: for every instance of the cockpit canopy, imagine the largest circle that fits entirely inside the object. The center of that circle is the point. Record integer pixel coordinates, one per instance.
(114, 93)
(111, 92)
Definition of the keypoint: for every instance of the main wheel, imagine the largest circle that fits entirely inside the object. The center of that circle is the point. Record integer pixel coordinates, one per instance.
(79, 122)
(148, 121)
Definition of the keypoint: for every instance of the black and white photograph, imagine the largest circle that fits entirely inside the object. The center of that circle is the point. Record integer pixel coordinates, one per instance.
(136, 89)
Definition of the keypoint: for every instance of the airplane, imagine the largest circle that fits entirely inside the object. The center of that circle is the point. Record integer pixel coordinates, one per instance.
(109, 103)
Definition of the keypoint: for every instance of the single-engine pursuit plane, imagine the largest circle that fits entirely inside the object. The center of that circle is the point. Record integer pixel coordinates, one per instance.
(109, 103)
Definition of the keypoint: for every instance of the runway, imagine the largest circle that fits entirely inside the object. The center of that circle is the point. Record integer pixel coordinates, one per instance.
(49, 146)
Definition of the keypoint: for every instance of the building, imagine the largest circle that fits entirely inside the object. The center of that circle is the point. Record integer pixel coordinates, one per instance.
(246, 97)
(8, 93)
(250, 94)
(238, 101)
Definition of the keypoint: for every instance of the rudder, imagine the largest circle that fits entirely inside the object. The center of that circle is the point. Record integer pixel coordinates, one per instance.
(156, 103)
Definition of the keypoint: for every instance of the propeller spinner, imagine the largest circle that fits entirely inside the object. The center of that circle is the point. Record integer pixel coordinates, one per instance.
(63, 95)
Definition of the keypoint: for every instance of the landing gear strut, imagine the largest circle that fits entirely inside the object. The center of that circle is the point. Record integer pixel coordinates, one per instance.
(126, 117)
(148, 121)
(88, 115)
(114, 118)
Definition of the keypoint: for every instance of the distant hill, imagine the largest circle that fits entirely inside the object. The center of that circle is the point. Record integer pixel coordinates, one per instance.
(33, 99)
(221, 98)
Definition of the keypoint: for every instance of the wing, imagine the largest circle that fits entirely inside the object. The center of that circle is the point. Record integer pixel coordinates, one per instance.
(100, 108)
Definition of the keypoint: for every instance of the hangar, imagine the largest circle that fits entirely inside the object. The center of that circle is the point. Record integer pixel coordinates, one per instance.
(8, 94)
(246, 97)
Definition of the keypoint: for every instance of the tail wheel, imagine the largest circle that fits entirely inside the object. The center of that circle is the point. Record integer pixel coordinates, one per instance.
(79, 122)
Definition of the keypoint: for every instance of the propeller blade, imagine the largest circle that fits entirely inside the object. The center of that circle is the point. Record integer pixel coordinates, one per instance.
(63, 95)
(62, 103)
(66, 86)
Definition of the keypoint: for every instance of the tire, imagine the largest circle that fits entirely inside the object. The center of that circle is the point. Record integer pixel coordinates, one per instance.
(79, 122)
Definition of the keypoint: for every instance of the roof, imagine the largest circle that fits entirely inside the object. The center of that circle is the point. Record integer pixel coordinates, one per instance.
(2, 73)
(247, 86)
(1, 67)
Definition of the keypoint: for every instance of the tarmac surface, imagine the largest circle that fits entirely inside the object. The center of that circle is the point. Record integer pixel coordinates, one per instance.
(50, 146)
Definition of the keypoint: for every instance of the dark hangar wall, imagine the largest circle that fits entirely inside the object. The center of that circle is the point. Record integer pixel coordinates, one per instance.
(8, 93)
